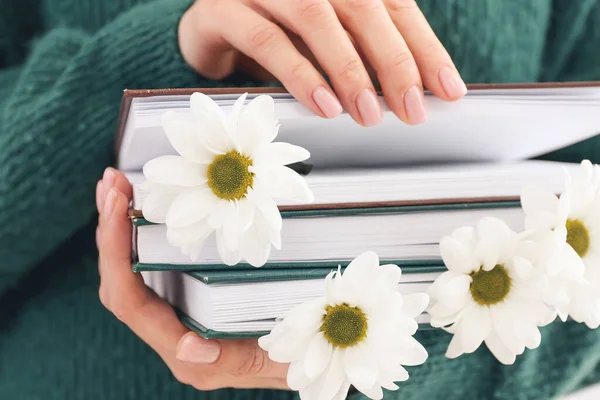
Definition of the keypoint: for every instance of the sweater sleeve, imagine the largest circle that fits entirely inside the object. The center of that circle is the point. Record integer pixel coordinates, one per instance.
(58, 114)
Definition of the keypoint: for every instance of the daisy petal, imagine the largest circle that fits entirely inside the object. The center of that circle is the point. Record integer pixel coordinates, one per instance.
(284, 183)
(414, 354)
(360, 268)
(296, 377)
(193, 234)
(475, 326)
(190, 207)
(254, 246)
(234, 115)
(374, 392)
(280, 154)
(175, 170)
(257, 125)
(158, 202)
(185, 138)
(229, 257)
(499, 350)
(212, 123)
(360, 366)
(221, 209)
(317, 356)
(535, 199)
(457, 256)
(414, 304)
(246, 214)
(454, 348)
(267, 207)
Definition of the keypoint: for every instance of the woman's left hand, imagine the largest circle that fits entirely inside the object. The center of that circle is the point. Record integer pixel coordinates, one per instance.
(203, 364)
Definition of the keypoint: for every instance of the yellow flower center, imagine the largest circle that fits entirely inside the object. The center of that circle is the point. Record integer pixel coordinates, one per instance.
(228, 175)
(578, 236)
(344, 326)
(490, 287)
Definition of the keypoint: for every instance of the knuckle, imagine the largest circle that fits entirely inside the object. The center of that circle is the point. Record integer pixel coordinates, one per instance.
(263, 37)
(400, 5)
(403, 60)
(255, 363)
(298, 72)
(363, 5)
(313, 11)
(352, 70)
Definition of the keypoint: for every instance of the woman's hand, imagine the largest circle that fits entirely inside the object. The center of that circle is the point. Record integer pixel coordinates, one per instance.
(294, 39)
(204, 364)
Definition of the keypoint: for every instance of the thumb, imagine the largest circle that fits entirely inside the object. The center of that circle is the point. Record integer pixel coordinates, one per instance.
(237, 357)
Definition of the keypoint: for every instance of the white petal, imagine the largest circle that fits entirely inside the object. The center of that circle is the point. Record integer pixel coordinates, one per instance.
(280, 154)
(388, 276)
(317, 356)
(296, 377)
(267, 207)
(360, 366)
(185, 138)
(175, 170)
(229, 257)
(499, 350)
(467, 235)
(193, 235)
(455, 348)
(246, 213)
(361, 267)
(234, 115)
(523, 267)
(231, 227)
(535, 199)
(457, 256)
(212, 123)
(342, 394)
(221, 209)
(190, 207)
(329, 384)
(475, 326)
(414, 304)
(284, 183)
(290, 347)
(257, 125)
(157, 203)
(415, 354)
(254, 246)
(374, 392)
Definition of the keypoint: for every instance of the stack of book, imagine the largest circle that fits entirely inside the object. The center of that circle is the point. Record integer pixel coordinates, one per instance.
(392, 189)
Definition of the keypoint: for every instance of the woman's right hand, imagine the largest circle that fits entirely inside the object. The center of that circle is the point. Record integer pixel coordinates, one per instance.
(293, 40)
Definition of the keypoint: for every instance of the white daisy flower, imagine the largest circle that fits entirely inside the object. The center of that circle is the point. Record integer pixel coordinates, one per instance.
(573, 219)
(224, 180)
(359, 334)
(487, 294)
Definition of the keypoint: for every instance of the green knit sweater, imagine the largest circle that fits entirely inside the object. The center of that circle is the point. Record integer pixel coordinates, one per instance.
(63, 66)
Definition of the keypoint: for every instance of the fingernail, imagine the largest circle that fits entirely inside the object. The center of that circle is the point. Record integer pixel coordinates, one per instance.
(327, 102)
(195, 349)
(369, 107)
(109, 203)
(108, 180)
(415, 107)
(452, 82)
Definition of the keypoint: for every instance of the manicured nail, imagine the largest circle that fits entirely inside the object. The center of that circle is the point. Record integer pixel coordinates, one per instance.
(452, 83)
(369, 107)
(108, 180)
(327, 102)
(197, 350)
(415, 107)
(109, 203)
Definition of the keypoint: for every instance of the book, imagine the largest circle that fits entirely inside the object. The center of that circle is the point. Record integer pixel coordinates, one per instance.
(248, 309)
(401, 215)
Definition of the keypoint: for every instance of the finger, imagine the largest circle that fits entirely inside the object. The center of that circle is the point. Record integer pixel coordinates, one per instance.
(202, 48)
(266, 43)
(316, 22)
(99, 196)
(438, 72)
(127, 296)
(373, 29)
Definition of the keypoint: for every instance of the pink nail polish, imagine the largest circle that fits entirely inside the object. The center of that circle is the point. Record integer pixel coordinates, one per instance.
(327, 102)
(452, 83)
(197, 350)
(108, 180)
(415, 107)
(109, 203)
(369, 107)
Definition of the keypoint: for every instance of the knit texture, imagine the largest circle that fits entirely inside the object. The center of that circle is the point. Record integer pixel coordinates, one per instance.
(63, 66)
